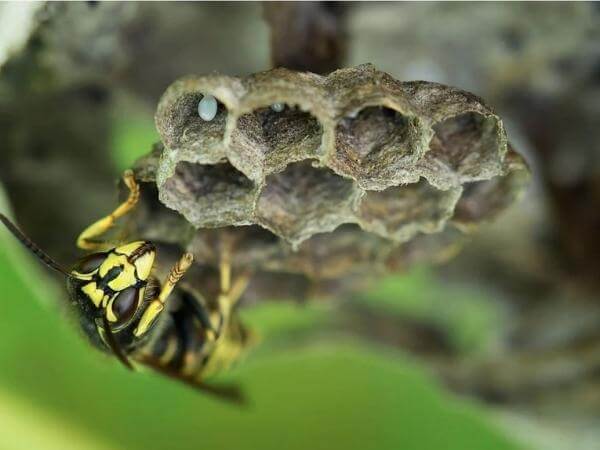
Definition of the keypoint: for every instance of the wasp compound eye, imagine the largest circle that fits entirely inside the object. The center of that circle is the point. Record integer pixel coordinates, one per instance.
(125, 305)
(90, 262)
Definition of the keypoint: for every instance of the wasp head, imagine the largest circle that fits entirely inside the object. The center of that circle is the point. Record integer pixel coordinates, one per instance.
(114, 282)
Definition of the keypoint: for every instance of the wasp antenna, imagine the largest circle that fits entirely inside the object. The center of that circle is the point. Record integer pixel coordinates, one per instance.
(31, 246)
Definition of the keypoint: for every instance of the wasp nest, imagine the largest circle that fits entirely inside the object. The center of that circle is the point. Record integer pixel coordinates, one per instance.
(324, 177)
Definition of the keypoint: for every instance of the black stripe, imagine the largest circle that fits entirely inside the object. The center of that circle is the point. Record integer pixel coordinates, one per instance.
(146, 247)
(102, 282)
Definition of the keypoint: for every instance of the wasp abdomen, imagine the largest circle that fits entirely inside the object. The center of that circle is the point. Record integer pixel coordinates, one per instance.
(186, 346)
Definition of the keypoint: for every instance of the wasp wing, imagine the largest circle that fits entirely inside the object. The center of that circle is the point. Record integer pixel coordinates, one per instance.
(231, 393)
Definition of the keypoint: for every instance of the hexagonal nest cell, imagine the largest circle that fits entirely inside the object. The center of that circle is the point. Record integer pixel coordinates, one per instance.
(482, 201)
(362, 171)
(347, 249)
(434, 248)
(467, 147)
(266, 141)
(400, 212)
(304, 200)
(201, 139)
(210, 195)
(375, 146)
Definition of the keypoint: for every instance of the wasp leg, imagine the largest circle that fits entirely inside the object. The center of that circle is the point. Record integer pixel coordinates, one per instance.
(86, 239)
(221, 340)
(158, 304)
(219, 313)
(230, 292)
(237, 290)
(225, 263)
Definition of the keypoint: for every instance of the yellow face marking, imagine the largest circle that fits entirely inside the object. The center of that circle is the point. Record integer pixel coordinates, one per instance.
(144, 265)
(95, 294)
(125, 279)
(110, 314)
(112, 260)
(128, 249)
(102, 333)
(82, 276)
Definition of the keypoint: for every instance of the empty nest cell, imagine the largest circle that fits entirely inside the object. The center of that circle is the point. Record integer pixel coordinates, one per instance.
(346, 250)
(400, 212)
(426, 249)
(268, 139)
(304, 200)
(483, 200)
(376, 146)
(469, 146)
(209, 195)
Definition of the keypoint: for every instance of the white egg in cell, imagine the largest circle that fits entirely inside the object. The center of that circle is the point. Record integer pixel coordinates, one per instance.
(207, 108)
(278, 107)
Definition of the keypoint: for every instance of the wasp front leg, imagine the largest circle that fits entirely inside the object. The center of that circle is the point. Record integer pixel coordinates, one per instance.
(157, 305)
(87, 239)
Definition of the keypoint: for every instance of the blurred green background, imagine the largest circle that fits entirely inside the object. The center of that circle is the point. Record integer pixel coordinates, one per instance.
(518, 307)
(56, 392)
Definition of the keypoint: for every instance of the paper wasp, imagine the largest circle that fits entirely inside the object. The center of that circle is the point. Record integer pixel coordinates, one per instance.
(124, 310)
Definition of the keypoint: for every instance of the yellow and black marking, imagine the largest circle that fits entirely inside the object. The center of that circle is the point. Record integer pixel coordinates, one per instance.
(119, 304)
(115, 281)
(189, 350)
